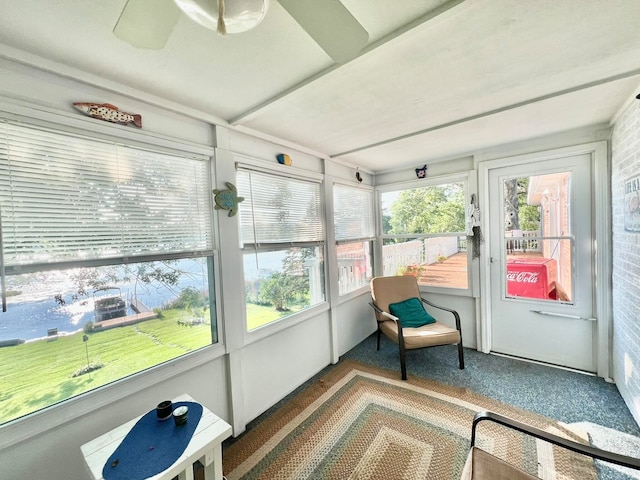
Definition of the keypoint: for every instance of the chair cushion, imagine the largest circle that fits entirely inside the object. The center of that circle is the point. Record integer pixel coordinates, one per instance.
(426, 336)
(411, 313)
(481, 465)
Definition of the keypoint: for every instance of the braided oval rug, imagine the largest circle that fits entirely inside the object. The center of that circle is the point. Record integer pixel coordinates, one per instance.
(362, 422)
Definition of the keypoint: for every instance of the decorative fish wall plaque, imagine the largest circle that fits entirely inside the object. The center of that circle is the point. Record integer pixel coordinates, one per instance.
(109, 113)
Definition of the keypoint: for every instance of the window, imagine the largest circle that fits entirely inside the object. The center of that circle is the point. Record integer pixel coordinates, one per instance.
(355, 230)
(94, 236)
(283, 245)
(538, 240)
(423, 234)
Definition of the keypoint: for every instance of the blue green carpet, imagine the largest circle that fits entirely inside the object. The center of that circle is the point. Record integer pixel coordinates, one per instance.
(570, 397)
(588, 402)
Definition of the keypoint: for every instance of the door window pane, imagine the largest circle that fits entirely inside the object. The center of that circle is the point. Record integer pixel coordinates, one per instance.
(537, 238)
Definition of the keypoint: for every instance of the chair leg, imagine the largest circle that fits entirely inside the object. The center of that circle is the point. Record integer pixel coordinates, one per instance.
(379, 334)
(403, 363)
(460, 356)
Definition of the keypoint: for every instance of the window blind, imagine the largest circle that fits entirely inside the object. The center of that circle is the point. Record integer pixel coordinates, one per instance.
(66, 198)
(353, 213)
(279, 210)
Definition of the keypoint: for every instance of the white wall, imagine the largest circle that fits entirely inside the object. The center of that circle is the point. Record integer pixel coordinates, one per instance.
(625, 164)
(275, 366)
(53, 96)
(355, 320)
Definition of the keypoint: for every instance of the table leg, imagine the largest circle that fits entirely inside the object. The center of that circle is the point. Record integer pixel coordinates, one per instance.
(213, 463)
(186, 474)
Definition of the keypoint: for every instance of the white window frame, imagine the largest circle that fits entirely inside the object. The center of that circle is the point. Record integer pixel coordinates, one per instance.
(264, 331)
(41, 421)
(427, 182)
(372, 239)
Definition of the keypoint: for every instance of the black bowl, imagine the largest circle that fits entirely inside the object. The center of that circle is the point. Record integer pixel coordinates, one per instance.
(164, 410)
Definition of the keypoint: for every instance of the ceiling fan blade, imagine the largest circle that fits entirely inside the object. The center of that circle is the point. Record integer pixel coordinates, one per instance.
(147, 23)
(331, 25)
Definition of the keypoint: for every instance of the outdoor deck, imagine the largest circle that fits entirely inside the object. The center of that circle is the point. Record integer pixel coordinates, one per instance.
(143, 313)
(125, 321)
(450, 273)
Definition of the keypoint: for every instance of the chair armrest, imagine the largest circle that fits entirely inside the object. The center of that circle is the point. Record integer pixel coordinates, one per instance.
(455, 314)
(588, 450)
(383, 313)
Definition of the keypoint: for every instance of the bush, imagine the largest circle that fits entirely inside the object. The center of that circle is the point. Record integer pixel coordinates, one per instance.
(190, 297)
(87, 369)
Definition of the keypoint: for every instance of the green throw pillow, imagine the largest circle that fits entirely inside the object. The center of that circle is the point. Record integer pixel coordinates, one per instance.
(411, 313)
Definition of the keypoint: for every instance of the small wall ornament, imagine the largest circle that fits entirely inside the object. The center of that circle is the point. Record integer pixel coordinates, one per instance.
(284, 159)
(358, 176)
(227, 199)
(421, 172)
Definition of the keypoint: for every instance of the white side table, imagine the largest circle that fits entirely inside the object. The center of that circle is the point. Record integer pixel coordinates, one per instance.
(205, 445)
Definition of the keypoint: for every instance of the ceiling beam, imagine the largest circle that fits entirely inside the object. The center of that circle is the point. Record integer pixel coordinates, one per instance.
(488, 113)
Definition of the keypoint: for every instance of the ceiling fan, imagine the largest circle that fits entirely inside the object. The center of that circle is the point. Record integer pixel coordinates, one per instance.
(149, 23)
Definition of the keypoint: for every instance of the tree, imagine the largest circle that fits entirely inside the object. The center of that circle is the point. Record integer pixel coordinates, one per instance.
(435, 209)
(528, 215)
(284, 288)
(511, 205)
(519, 215)
(145, 275)
(165, 272)
(193, 301)
(277, 290)
(386, 223)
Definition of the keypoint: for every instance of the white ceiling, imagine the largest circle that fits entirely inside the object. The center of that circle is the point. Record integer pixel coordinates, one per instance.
(438, 79)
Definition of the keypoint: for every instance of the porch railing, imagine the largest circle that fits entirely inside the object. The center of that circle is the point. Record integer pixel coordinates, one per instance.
(523, 241)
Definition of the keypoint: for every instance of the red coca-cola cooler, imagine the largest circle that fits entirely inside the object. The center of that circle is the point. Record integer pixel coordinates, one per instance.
(532, 277)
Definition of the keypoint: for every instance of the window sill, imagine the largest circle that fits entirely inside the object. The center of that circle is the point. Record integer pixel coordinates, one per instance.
(279, 325)
(365, 290)
(455, 292)
(39, 422)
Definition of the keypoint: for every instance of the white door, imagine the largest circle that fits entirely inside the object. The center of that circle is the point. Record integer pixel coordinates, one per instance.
(542, 262)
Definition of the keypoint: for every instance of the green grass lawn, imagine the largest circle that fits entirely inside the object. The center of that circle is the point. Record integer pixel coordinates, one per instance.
(258, 315)
(38, 374)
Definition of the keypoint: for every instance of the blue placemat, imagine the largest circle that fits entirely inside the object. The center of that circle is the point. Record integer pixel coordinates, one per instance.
(151, 446)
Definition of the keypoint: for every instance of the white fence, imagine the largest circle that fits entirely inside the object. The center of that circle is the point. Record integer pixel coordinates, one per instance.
(417, 252)
(523, 241)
